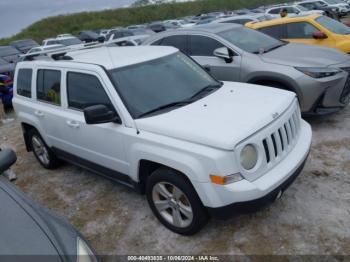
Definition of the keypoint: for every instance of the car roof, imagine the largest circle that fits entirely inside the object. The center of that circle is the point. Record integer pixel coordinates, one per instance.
(210, 28)
(280, 21)
(112, 57)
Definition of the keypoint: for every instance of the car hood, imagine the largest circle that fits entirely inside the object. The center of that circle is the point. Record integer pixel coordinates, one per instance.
(302, 55)
(223, 118)
(30, 229)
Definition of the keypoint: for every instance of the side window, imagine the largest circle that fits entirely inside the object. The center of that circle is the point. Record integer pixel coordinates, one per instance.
(275, 11)
(277, 31)
(24, 82)
(85, 90)
(300, 30)
(291, 10)
(49, 86)
(203, 46)
(158, 42)
(178, 41)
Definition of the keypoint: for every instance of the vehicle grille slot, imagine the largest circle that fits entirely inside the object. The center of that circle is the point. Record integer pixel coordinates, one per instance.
(288, 135)
(271, 148)
(274, 144)
(278, 142)
(267, 154)
(292, 126)
(281, 137)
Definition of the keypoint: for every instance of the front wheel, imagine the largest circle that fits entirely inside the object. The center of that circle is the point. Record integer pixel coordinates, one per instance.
(42, 152)
(174, 202)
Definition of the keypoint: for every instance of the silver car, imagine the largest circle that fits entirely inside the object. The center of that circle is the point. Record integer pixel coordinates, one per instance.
(231, 52)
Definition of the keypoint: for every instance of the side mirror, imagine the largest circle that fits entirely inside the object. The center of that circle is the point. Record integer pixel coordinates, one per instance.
(7, 159)
(319, 35)
(224, 53)
(100, 114)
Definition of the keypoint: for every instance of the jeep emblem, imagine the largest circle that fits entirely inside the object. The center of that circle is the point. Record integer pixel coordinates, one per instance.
(275, 115)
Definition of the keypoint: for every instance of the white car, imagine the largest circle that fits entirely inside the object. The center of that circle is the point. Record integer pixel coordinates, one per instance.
(343, 7)
(152, 119)
(45, 48)
(69, 41)
(293, 10)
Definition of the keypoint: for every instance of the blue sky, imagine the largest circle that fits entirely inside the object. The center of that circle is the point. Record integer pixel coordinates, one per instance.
(18, 14)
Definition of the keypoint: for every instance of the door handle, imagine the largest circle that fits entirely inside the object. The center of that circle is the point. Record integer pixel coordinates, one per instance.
(73, 124)
(39, 113)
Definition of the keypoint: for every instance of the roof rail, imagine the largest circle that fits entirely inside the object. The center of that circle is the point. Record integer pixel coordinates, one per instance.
(59, 53)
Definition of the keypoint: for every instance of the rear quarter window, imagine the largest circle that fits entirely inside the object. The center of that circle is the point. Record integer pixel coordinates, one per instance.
(24, 82)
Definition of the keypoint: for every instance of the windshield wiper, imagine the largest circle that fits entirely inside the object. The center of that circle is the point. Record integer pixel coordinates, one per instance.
(206, 89)
(192, 99)
(269, 49)
(167, 106)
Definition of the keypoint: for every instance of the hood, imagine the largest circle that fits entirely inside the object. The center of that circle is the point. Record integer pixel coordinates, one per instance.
(223, 118)
(33, 229)
(307, 56)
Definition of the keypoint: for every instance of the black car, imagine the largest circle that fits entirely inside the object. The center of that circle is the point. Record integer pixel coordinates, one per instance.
(332, 12)
(119, 33)
(24, 45)
(157, 27)
(30, 232)
(90, 36)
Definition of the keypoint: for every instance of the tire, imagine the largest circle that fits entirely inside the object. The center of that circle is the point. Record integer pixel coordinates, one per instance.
(179, 207)
(41, 151)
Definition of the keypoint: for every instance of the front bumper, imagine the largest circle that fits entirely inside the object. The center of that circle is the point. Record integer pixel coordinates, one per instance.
(217, 198)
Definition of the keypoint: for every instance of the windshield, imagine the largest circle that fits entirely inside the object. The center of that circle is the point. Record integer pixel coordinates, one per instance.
(333, 25)
(170, 79)
(250, 40)
(70, 41)
(301, 8)
(331, 2)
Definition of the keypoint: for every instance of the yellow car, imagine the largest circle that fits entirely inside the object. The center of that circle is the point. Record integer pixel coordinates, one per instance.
(313, 29)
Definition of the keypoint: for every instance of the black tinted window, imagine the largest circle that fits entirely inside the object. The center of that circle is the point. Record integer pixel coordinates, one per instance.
(300, 30)
(203, 46)
(49, 86)
(85, 90)
(240, 21)
(24, 82)
(277, 31)
(178, 41)
(275, 11)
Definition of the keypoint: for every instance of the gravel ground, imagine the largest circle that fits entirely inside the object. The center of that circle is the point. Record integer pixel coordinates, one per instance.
(313, 216)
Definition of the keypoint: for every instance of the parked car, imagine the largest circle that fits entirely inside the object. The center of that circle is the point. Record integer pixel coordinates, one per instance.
(45, 48)
(10, 54)
(193, 145)
(332, 12)
(6, 68)
(157, 27)
(313, 30)
(34, 231)
(343, 7)
(292, 10)
(6, 90)
(70, 41)
(24, 45)
(90, 36)
(118, 33)
(231, 52)
(243, 19)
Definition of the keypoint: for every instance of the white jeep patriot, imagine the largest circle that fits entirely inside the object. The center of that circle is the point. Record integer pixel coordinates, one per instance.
(153, 119)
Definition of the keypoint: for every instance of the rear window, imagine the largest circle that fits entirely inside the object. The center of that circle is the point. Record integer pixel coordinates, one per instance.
(49, 86)
(24, 82)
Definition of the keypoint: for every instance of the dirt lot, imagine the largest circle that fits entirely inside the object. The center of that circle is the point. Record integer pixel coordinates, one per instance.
(313, 217)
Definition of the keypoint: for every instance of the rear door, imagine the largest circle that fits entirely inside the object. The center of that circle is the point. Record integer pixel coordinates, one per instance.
(201, 49)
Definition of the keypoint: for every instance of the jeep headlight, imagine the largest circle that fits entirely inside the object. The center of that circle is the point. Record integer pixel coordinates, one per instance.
(249, 157)
(84, 253)
(318, 72)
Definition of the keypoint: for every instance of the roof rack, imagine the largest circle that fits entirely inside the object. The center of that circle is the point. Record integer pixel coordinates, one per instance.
(59, 53)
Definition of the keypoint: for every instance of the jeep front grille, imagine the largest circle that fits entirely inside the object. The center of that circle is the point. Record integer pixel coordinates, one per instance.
(283, 139)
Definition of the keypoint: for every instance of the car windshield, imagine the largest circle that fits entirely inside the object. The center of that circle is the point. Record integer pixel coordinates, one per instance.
(331, 2)
(25, 43)
(7, 51)
(301, 8)
(70, 41)
(250, 40)
(333, 25)
(170, 80)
